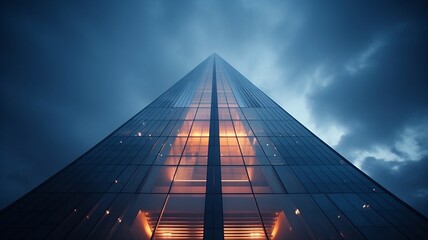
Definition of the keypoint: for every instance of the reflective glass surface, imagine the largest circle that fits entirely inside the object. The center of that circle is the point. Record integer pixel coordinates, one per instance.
(213, 157)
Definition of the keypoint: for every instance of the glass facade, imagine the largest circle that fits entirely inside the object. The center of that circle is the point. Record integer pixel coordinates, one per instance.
(211, 158)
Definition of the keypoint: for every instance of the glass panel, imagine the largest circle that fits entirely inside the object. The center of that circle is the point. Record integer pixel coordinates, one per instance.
(109, 219)
(173, 146)
(268, 147)
(226, 129)
(250, 146)
(223, 114)
(182, 129)
(259, 160)
(342, 224)
(189, 114)
(229, 147)
(200, 129)
(234, 180)
(196, 146)
(231, 160)
(140, 218)
(190, 180)
(166, 160)
(294, 216)
(236, 114)
(186, 160)
(158, 179)
(264, 180)
(203, 114)
(241, 218)
(258, 128)
(250, 113)
(291, 182)
(136, 179)
(90, 212)
(242, 129)
(183, 218)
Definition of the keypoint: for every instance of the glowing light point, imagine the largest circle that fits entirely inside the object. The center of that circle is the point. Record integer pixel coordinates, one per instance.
(107, 212)
(119, 219)
(297, 212)
(115, 181)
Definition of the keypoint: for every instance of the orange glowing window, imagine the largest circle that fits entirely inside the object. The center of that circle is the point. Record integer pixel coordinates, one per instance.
(190, 160)
(182, 128)
(200, 129)
(234, 179)
(196, 146)
(229, 147)
(143, 225)
(242, 129)
(226, 129)
(183, 217)
(241, 218)
(226, 160)
(190, 179)
(203, 114)
(223, 114)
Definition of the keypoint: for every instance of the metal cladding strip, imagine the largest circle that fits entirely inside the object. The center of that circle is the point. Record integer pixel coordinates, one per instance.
(213, 219)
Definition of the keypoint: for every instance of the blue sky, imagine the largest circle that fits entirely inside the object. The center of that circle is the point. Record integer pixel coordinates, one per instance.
(353, 72)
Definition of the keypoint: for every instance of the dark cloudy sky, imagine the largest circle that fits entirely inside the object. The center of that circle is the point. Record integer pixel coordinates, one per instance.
(354, 72)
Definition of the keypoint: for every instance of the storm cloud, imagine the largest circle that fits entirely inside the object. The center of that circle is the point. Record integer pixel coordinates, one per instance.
(355, 73)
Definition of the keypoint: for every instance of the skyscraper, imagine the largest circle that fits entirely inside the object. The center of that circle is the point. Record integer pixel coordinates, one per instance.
(213, 157)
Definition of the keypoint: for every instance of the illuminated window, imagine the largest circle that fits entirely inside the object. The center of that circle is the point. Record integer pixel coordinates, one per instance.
(226, 129)
(229, 147)
(190, 180)
(200, 129)
(234, 179)
(183, 217)
(226, 160)
(196, 146)
(203, 114)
